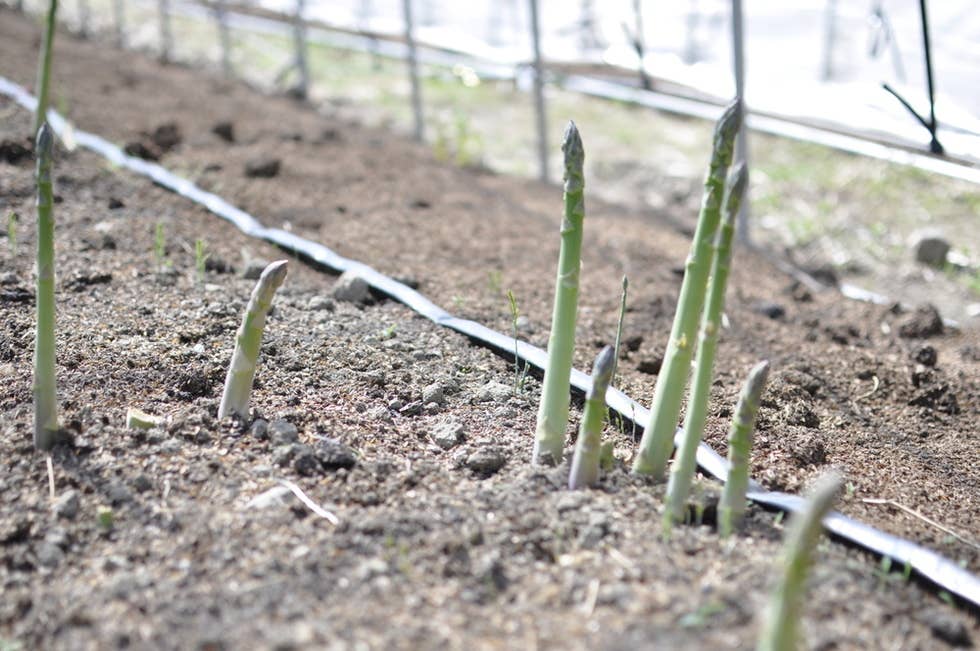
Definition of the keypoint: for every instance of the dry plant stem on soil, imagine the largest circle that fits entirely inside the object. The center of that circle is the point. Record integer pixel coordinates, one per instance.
(679, 486)
(733, 501)
(619, 328)
(658, 436)
(44, 69)
(45, 389)
(553, 411)
(588, 448)
(241, 372)
(780, 629)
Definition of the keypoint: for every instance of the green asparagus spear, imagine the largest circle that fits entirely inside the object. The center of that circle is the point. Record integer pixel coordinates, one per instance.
(553, 410)
(45, 387)
(780, 630)
(658, 436)
(241, 371)
(585, 462)
(732, 504)
(682, 473)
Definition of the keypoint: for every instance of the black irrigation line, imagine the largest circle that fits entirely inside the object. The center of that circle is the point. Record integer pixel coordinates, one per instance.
(931, 566)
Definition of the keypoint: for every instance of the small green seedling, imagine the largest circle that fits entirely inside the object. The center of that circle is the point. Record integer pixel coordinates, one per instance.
(732, 505)
(619, 328)
(105, 518)
(658, 436)
(12, 220)
(241, 371)
(160, 246)
(45, 386)
(588, 449)
(520, 374)
(200, 259)
(553, 411)
(780, 630)
(685, 464)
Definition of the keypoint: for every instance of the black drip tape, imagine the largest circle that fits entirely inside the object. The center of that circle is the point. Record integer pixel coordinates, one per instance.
(941, 571)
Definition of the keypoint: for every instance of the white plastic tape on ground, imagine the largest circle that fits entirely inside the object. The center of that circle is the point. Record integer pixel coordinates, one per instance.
(941, 571)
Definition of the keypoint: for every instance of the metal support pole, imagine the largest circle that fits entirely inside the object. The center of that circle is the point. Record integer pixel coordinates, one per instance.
(934, 145)
(83, 18)
(741, 142)
(539, 108)
(692, 53)
(302, 89)
(119, 16)
(166, 35)
(829, 40)
(413, 72)
(221, 15)
(639, 44)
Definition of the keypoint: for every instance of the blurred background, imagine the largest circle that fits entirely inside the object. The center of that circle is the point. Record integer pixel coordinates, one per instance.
(843, 179)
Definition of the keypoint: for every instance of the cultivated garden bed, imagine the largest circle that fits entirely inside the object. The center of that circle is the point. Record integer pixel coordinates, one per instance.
(415, 439)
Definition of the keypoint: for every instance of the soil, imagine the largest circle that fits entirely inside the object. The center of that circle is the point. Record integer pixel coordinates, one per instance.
(153, 540)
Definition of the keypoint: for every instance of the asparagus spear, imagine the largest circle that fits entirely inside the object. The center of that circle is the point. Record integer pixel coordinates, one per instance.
(553, 410)
(241, 371)
(781, 625)
(44, 69)
(585, 463)
(679, 486)
(45, 388)
(658, 435)
(732, 504)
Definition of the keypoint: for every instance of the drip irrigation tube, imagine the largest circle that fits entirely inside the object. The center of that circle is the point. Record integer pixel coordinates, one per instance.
(931, 566)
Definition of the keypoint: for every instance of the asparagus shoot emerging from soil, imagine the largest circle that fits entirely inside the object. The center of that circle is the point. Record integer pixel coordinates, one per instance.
(682, 472)
(44, 69)
(658, 436)
(553, 411)
(588, 449)
(241, 372)
(780, 628)
(45, 389)
(619, 329)
(732, 504)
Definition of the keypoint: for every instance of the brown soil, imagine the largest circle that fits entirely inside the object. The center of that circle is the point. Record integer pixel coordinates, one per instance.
(462, 548)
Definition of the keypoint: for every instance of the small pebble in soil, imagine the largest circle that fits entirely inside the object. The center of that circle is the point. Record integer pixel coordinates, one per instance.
(13, 152)
(334, 455)
(448, 434)
(321, 303)
(262, 168)
(433, 393)
(413, 408)
(116, 203)
(947, 628)
(650, 365)
(494, 392)
(305, 462)
(380, 414)
(259, 429)
(486, 461)
(930, 248)
(224, 130)
(282, 432)
(768, 308)
(351, 288)
(118, 493)
(254, 268)
(8, 278)
(924, 322)
(67, 504)
(925, 355)
(49, 554)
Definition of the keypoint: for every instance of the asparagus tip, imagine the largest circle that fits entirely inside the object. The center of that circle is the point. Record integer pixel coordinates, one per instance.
(571, 147)
(626, 283)
(603, 367)
(730, 122)
(274, 273)
(757, 378)
(44, 139)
